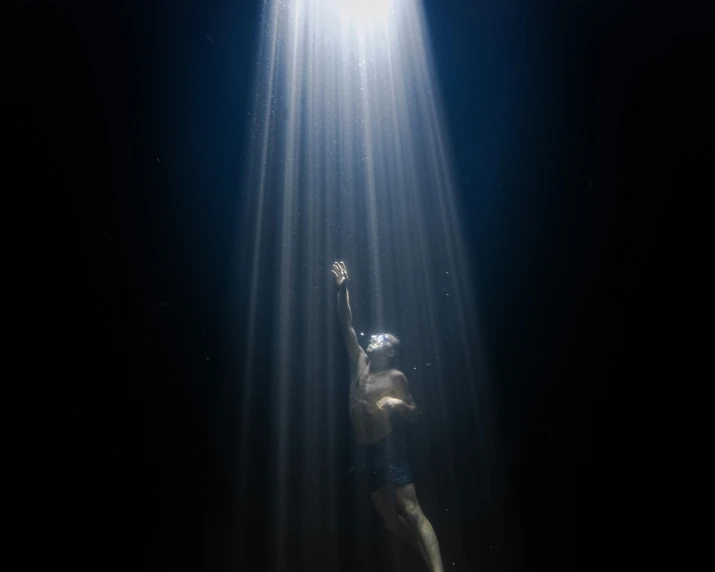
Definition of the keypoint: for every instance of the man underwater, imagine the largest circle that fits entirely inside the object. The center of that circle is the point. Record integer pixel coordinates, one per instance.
(377, 392)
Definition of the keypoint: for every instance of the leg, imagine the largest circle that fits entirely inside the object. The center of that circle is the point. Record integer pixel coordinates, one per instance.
(384, 501)
(409, 508)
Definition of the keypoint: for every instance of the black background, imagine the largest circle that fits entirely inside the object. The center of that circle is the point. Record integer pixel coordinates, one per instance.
(580, 131)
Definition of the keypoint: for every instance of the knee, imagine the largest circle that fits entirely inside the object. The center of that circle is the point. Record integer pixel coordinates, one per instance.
(412, 513)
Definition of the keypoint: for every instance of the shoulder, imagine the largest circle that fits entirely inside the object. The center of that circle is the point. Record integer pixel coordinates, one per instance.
(397, 375)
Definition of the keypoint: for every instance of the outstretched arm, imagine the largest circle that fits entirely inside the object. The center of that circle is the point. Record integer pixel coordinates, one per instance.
(358, 357)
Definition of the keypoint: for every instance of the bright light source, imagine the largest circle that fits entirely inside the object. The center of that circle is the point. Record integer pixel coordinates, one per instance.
(348, 160)
(364, 14)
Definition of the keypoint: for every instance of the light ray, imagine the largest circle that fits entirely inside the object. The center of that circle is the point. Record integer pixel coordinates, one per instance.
(350, 161)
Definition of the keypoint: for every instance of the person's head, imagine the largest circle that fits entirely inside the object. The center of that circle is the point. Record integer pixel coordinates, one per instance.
(382, 349)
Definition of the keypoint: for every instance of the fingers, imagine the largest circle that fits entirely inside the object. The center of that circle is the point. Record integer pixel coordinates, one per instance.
(339, 269)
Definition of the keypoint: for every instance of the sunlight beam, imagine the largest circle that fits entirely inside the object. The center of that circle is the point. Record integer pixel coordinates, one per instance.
(350, 160)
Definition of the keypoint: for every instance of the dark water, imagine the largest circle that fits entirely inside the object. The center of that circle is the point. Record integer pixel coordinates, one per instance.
(573, 126)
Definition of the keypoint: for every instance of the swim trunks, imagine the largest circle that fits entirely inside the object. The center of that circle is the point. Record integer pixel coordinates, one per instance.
(384, 462)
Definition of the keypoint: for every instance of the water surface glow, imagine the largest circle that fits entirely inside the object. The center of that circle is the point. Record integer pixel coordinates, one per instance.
(349, 160)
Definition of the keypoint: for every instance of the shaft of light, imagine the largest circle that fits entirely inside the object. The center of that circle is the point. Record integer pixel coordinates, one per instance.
(349, 160)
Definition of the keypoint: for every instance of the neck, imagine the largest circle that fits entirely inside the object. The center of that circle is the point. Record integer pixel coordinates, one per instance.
(379, 365)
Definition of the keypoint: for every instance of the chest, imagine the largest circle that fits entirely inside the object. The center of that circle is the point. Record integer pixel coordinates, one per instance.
(374, 386)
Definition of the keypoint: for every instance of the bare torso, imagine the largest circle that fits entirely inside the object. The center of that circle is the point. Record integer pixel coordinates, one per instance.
(369, 421)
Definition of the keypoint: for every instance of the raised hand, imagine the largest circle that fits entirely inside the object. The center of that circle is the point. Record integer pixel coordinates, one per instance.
(341, 273)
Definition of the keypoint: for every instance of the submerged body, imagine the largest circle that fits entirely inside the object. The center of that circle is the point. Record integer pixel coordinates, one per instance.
(370, 422)
(378, 392)
(382, 449)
